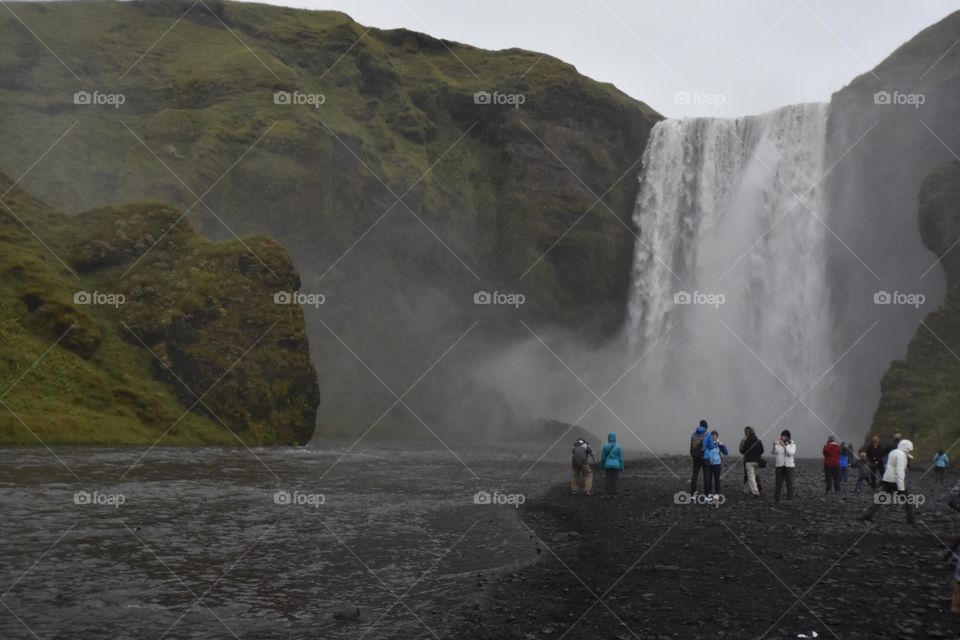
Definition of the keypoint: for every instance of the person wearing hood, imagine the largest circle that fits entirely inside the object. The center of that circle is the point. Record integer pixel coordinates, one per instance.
(697, 451)
(831, 464)
(894, 482)
(611, 461)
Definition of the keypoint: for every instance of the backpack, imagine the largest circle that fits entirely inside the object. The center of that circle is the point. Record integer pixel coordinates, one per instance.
(696, 445)
(580, 455)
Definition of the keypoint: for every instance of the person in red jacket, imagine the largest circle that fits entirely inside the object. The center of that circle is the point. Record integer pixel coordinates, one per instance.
(831, 464)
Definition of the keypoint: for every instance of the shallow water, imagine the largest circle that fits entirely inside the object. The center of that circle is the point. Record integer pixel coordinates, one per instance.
(202, 545)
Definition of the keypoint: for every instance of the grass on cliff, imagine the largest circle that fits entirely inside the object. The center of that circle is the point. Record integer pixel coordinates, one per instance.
(89, 373)
(399, 99)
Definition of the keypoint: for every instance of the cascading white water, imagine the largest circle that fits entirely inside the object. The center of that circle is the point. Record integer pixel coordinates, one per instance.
(730, 207)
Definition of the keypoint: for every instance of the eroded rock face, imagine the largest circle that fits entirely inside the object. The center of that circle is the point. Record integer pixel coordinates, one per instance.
(157, 331)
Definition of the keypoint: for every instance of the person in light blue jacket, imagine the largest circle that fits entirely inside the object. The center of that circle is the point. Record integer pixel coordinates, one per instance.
(611, 460)
(940, 462)
(713, 450)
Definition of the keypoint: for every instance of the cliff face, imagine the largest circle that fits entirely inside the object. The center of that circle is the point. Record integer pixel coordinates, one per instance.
(404, 173)
(920, 393)
(123, 326)
(888, 129)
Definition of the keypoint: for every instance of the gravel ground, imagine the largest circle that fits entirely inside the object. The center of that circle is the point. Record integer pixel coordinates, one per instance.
(641, 566)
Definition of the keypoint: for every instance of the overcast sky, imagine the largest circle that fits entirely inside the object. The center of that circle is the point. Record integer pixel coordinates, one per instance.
(730, 58)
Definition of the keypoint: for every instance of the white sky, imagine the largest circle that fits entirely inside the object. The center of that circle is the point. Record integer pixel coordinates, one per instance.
(755, 54)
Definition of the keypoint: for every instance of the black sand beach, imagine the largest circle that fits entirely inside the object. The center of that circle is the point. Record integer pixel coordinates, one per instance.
(641, 566)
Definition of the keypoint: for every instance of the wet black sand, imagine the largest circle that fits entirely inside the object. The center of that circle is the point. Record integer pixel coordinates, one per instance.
(640, 566)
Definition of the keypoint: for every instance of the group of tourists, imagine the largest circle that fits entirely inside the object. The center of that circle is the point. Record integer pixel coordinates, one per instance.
(880, 466)
(706, 453)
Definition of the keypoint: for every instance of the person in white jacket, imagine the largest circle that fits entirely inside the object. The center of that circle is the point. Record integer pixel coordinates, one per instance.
(893, 486)
(784, 464)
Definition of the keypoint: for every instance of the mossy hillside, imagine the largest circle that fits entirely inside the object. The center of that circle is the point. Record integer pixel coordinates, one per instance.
(920, 393)
(497, 185)
(199, 99)
(102, 374)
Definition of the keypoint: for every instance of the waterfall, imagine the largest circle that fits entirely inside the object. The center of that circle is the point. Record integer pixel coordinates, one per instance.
(731, 259)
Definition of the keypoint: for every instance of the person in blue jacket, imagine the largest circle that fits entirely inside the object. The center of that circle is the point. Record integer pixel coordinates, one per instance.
(940, 462)
(611, 461)
(713, 449)
(846, 457)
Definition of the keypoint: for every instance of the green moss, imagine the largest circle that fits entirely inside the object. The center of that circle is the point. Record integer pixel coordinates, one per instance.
(84, 373)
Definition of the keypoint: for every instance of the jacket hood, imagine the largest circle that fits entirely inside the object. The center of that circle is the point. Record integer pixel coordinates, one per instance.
(612, 437)
(907, 447)
(701, 430)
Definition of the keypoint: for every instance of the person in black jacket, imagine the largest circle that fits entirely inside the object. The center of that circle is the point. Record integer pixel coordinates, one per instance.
(752, 450)
(876, 458)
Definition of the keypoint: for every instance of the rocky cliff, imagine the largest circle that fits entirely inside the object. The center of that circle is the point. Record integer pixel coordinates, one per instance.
(921, 392)
(888, 129)
(122, 325)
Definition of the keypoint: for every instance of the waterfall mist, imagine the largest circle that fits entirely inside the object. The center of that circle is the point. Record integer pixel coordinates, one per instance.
(730, 311)
(732, 263)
